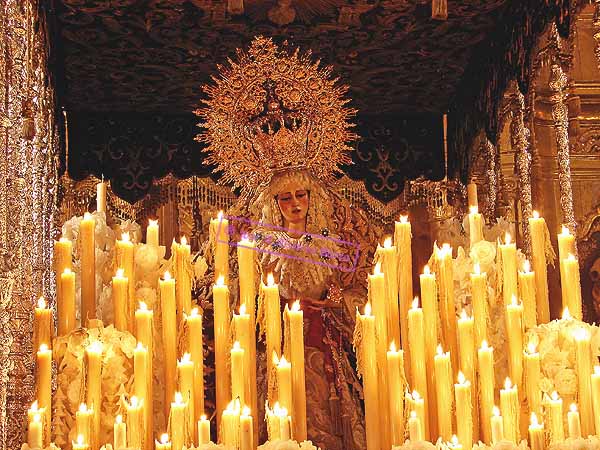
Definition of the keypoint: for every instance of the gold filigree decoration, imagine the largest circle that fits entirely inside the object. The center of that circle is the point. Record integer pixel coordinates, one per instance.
(273, 110)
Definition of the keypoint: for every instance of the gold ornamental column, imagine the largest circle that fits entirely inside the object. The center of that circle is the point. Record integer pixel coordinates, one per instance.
(28, 186)
(491, 173)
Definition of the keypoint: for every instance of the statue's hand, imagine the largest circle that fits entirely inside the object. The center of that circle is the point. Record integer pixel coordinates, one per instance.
(307, 302)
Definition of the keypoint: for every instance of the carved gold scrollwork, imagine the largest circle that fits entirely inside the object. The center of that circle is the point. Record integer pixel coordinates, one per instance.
(588, 142)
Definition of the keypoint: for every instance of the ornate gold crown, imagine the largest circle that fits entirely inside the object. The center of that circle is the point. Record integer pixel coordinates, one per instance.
(275, 110)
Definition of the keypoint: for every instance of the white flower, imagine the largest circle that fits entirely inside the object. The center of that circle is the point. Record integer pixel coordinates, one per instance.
(308, 445)
(484, 253)
(146, 257)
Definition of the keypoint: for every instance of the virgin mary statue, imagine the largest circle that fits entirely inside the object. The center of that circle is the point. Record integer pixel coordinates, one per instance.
(277, 128)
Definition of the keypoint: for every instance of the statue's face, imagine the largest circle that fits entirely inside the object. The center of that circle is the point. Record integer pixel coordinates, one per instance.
(293, 204)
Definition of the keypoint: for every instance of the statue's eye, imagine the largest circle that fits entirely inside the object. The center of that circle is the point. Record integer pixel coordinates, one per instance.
(301, 194)
(284, 198)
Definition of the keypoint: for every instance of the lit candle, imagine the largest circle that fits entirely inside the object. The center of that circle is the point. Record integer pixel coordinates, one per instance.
(185, 375)
(35, 432)
(445, 279)
(195, 349)
(273, 422)
(219, 238)
(403, 240)
(415, 428)
(294, 322)
(464, 411)
(120, 293)
(101, 197)
(152, 236)
(241, 327)
(83, 420)
(397, 385)
(532, 378)
(183, 286)
(87, 253)
(284, 423)
(222, 318)
(566, 247)
(475, 228)
(176, 421)
(43, 385)
(540, 241)
(508, 255)
(485, 358)
(444, 391)
(537, 439)
(377, 298)
(63, 249)
(124, 258)
(164, 443)
(595, 382)
(527, 294)
(135, 418)
(230, 425)
(203, 430)
(583, 366)
(497, 426)
(386, 255)
(472, 195)
(43, 324)
(66, 303)
(368, 372)
(246, 430)
(80, 443)
(574, 422)
(237, 372)
(514, 331)
(466, 347)
(571, 286)
(509, 404)
(284, 383)
(169, 326)
(479, 303)
(416, 403)
(554, 414)
(119, 434)
(430, 323)
(416, 341)
(144, 334)
(93, 356)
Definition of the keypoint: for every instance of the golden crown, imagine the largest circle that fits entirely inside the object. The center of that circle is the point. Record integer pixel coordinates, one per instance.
(274, 110)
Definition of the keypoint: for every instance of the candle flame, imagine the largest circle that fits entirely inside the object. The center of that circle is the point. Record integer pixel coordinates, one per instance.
(392, 346)
(573, 407)
(178, 398)
(554, 395)
(596, 370)
(571, 257)
(531, 348)
(476, 269)
(152, 222)
(194, 312)
(275, 358)
(34, 406)
(143, 306)
(565, 231)
(164, 438)
(63, 239)
(513, 301)
(203, 417)
(220, 215)
(507, 238)
(526, 266)
(242, 309)
(183, 240)
(283, 362)
(120, 273)
(403, 218)
(566, 315)
(387, 243)
(377, 269)
(296, 306)
(80, 439)
(426, 270)
(415, 303)
(82, 408)
(246, 411)
(484, 345)
(220, 281)
(454, 440)
(461, 377)
(119, 419)
(186, 358)
(37, 417)
(463, 315)
(367, 309)
(125, 237)
(507, 383)
(446, 247)
(439, 350)
(134, 401)
(473, 209)
(87, 216)
(496, 411)
(236, 345)
(67, 271)
(413, 414)
(167, 276)
(44, 348)
(580, 334)
(41, 303)
(536, 215)
(270, 280)
(534, 419)
(416, 396)
(95, 347)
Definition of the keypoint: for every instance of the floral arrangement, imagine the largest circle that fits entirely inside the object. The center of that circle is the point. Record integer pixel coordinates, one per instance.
(278, 444)
(502, 445)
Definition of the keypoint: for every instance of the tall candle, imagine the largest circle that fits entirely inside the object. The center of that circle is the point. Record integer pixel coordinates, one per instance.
(415, 428)
(176, 422)
(368, 371)
(479, 303)
(185, 372)
(222, 318)
(539, 235)
(35, 432)
(203, 430)
(63, 249)
(66, 303)
(84, 418)
(416, 341)
(144, 334)
(119, 434)
(397, 386)
(230, 425)
(272, 319)
(167, 298)
(497, 426)
(219, 238)
(508, 255)
(509, 404)
(430, 322)
(284, 383)
(403, 240)
(295, 325)
(241, 326)
(595, 383)
(246, 430)
(87, 244)
(574, 422)
(444, 390)
(514, 331)
(93, 357)
(466, 347)
(527, 294)
(445, 279)
(485, 358)
(124, 251)
(566, 247)
(42, 324)
(183, 286)
(416, 403)
(237, 372)
(101, 197)
(195, 349)
(152, 235)
(43, 384)
(120, 293)
(583, 366)
(464, 411)
(389, 265)
(532, 379)
(472, 195)
(475, 227)
(571, 286)
(554, 405)
(537, 438)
